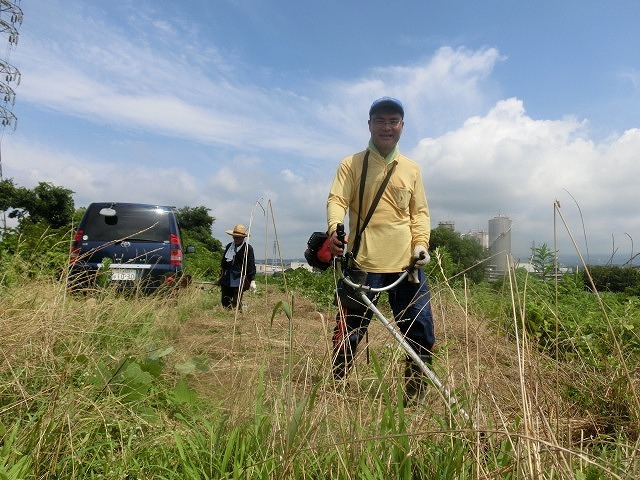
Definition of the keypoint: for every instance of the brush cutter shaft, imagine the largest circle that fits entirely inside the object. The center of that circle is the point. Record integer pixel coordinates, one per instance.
(362, 292)
(411, 352)
(401, 340)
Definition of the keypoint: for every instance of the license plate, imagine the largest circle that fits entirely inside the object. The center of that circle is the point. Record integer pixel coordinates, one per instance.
(121, 275)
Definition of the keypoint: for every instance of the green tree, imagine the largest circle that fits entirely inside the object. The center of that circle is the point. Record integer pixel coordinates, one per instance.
(611, 278)
(542, 261)
(40, 242)
(466, 254)
(77, 216)
(197, 222)
(45, 203)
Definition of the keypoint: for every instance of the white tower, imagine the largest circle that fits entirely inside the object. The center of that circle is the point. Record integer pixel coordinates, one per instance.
(499, 247)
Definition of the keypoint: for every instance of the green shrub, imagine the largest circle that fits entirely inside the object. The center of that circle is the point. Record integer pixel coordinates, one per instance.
(36, 250)
(613, 279)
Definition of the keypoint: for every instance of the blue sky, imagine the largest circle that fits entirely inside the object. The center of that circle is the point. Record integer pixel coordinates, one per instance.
(247, 107)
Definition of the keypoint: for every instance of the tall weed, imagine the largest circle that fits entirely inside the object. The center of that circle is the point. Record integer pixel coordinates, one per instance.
(175, 386)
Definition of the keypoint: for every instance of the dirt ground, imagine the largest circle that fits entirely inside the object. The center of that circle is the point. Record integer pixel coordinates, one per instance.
(496, 379)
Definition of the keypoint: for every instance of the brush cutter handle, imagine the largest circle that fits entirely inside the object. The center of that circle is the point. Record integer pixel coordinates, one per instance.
(365, 288)
(343, 259)
(414, 260)
(340, 233)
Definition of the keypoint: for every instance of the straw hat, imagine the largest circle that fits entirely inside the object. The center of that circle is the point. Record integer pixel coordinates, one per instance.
(238, 231)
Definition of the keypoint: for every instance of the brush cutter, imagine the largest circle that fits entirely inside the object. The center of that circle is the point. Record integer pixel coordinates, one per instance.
(361, 291)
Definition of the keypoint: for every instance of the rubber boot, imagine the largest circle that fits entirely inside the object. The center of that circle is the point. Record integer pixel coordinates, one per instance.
(415, 381)
(342, 360)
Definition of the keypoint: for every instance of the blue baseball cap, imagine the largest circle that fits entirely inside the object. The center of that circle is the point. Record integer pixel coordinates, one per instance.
(387, 103)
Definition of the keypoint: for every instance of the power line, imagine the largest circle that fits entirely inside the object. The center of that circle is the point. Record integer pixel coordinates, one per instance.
(10, 21)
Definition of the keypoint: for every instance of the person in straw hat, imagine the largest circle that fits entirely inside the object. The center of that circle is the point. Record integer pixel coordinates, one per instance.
(238, 268)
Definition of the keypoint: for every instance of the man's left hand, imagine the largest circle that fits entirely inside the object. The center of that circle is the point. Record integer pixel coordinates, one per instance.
(421, 256)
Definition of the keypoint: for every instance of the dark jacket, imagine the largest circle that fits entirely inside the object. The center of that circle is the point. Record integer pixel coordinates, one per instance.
(232, 270)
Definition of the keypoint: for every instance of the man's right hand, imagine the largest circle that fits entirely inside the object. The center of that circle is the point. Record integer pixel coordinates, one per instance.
(336, 246)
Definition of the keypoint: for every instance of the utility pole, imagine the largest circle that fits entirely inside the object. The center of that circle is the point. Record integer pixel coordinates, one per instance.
(10, 21)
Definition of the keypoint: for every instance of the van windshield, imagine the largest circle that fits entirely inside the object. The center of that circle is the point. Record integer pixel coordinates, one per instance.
(131, 222)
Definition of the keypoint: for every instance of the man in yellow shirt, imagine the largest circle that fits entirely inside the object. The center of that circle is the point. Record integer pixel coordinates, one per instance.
(398, 231)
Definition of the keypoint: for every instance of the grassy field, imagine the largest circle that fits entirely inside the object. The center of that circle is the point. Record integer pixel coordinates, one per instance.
(175, 387)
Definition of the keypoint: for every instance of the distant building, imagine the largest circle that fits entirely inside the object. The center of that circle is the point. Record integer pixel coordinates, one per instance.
(269, 269)
(296, 265)
(482, 237)
(448, 224)
(529, 267)
(500, 260)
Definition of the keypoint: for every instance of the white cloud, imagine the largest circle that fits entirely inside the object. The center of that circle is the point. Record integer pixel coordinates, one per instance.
(508, 163)
(631, 76)
(289, 176)
(226, 181)
(92, 179)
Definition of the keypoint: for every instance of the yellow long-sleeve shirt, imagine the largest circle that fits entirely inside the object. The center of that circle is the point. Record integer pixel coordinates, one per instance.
(401, 220)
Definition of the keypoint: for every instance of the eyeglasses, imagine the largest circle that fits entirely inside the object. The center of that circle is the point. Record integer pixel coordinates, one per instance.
(379, 122)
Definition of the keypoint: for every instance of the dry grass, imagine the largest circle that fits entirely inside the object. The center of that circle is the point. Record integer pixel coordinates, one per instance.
(482, 367)
(511, 392)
